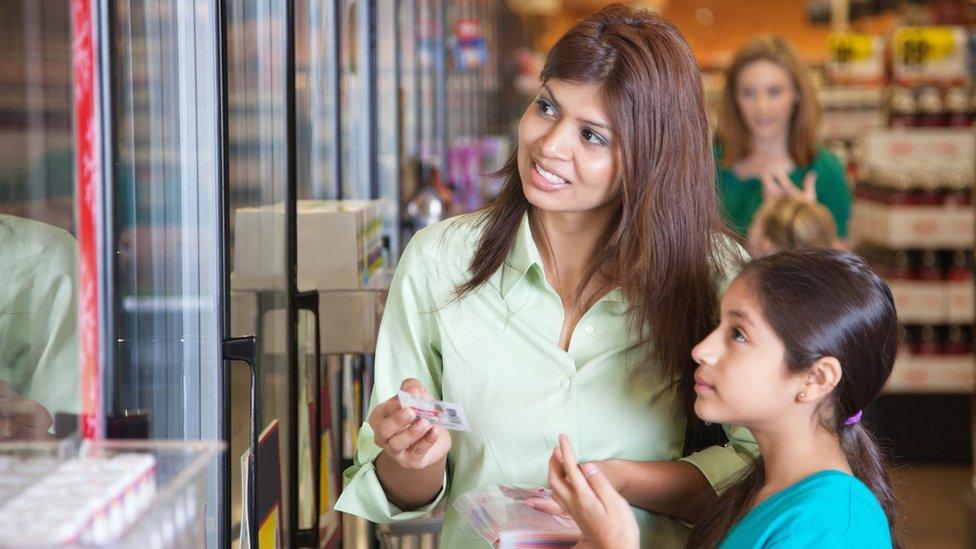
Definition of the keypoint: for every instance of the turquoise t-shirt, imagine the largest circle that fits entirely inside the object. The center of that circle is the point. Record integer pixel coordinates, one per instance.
(826, 510)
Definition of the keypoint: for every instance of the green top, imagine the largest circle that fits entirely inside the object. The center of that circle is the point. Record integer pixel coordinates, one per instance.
(38, 313)
(741, 198)
(828, 510)
(496, 353)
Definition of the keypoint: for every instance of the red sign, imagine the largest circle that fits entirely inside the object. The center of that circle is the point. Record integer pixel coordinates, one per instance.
(86, 191)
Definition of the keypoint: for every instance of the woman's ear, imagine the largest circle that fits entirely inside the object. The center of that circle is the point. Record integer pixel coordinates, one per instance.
(822, 378)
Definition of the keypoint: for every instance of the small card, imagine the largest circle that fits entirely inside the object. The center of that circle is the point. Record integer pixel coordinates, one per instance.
(445, 414)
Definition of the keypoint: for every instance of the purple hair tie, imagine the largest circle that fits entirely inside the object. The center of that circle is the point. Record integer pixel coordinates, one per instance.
(853, 419)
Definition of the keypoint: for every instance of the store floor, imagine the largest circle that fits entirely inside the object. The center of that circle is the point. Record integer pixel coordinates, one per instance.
(933, 506)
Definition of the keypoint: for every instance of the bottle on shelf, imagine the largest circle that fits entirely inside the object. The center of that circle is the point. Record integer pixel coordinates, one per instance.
(929, 112)
(958, 191)
(960, 266)
(957, 341)
(929, 267)
(927, 189)
(958, 109)
(900, 266)
(928, 341)
(901, 108)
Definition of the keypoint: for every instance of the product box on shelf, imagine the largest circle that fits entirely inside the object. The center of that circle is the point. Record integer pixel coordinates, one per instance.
(935, 54)
(932, 374)
(854, 58)
(105, 493)
(913, 226)
(339, 245)
(918, 189)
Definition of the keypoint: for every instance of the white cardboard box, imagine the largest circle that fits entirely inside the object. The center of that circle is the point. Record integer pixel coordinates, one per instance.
(339, 245)
(921, 227)
(932, 374)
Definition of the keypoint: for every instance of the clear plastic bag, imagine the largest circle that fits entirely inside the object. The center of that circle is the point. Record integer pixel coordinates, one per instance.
(498, 514)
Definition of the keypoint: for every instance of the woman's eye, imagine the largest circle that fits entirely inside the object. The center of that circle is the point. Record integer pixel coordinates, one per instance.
(545, 107)
(738, 336)
(591, 136)
(775, 92)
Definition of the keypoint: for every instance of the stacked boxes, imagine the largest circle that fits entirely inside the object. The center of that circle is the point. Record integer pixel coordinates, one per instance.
(88, 501)
(914, 222)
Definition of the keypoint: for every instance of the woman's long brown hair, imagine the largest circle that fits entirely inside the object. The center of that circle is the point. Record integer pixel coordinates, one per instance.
(822, 303)
(733, 131)
(663, 243)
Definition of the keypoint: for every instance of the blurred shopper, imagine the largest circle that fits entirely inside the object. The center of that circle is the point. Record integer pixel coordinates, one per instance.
(768, 137)
(571, 304)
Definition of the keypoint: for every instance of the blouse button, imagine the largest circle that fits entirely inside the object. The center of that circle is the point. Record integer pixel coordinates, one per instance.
(588, 328)
(565, 383)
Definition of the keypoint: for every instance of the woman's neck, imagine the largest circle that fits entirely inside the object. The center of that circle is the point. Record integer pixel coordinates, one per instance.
(791, 453)
(771, 147)
(566, 242)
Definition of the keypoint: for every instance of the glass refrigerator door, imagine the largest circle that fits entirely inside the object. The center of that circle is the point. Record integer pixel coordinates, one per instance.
(388, 119)
(258, 163)
(164, 228)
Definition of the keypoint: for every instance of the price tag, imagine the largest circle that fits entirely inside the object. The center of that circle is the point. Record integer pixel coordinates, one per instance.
(929, 55)
(855, 58)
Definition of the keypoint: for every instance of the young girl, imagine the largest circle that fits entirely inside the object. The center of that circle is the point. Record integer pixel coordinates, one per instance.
(806, 341)
(767, 144)
(790, 223)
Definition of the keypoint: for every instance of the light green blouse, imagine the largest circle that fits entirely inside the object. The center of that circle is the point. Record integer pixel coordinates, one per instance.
(496, 353)
(39, 313)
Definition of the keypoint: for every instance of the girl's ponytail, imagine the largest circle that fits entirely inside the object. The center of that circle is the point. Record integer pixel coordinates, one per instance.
(870, 465)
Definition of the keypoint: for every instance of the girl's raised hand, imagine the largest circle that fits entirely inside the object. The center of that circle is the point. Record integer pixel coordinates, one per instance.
(603, 515)
(779, 184)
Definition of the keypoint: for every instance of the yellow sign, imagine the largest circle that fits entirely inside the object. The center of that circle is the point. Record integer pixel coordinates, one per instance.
(924, 45)
(846, 47)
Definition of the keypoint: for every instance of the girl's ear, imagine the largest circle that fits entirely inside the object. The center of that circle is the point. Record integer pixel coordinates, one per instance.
(822, 377)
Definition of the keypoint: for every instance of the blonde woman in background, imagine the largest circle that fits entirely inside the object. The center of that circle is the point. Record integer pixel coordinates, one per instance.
(787, 223)
(767, 143)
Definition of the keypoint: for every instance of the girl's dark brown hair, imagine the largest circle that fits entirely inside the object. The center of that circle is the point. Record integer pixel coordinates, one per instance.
(734, 133)
(663, 242)
(822, 303)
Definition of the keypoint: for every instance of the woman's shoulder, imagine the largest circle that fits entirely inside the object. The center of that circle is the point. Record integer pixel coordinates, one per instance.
(444, 249)
(826, 161)
(453, 236)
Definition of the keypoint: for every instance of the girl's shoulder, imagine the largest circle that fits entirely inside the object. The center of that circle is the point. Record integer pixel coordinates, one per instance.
(836, 499)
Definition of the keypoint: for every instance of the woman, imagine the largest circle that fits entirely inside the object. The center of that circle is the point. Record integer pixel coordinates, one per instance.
(768, 137)
(806, 341)
(571, 304)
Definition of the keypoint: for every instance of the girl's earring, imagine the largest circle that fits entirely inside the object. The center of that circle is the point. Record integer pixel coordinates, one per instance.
(800, 397)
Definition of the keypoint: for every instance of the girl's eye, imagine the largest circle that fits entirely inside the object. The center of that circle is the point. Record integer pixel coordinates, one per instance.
(545, 107)
(738, 336)
(591, 136)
